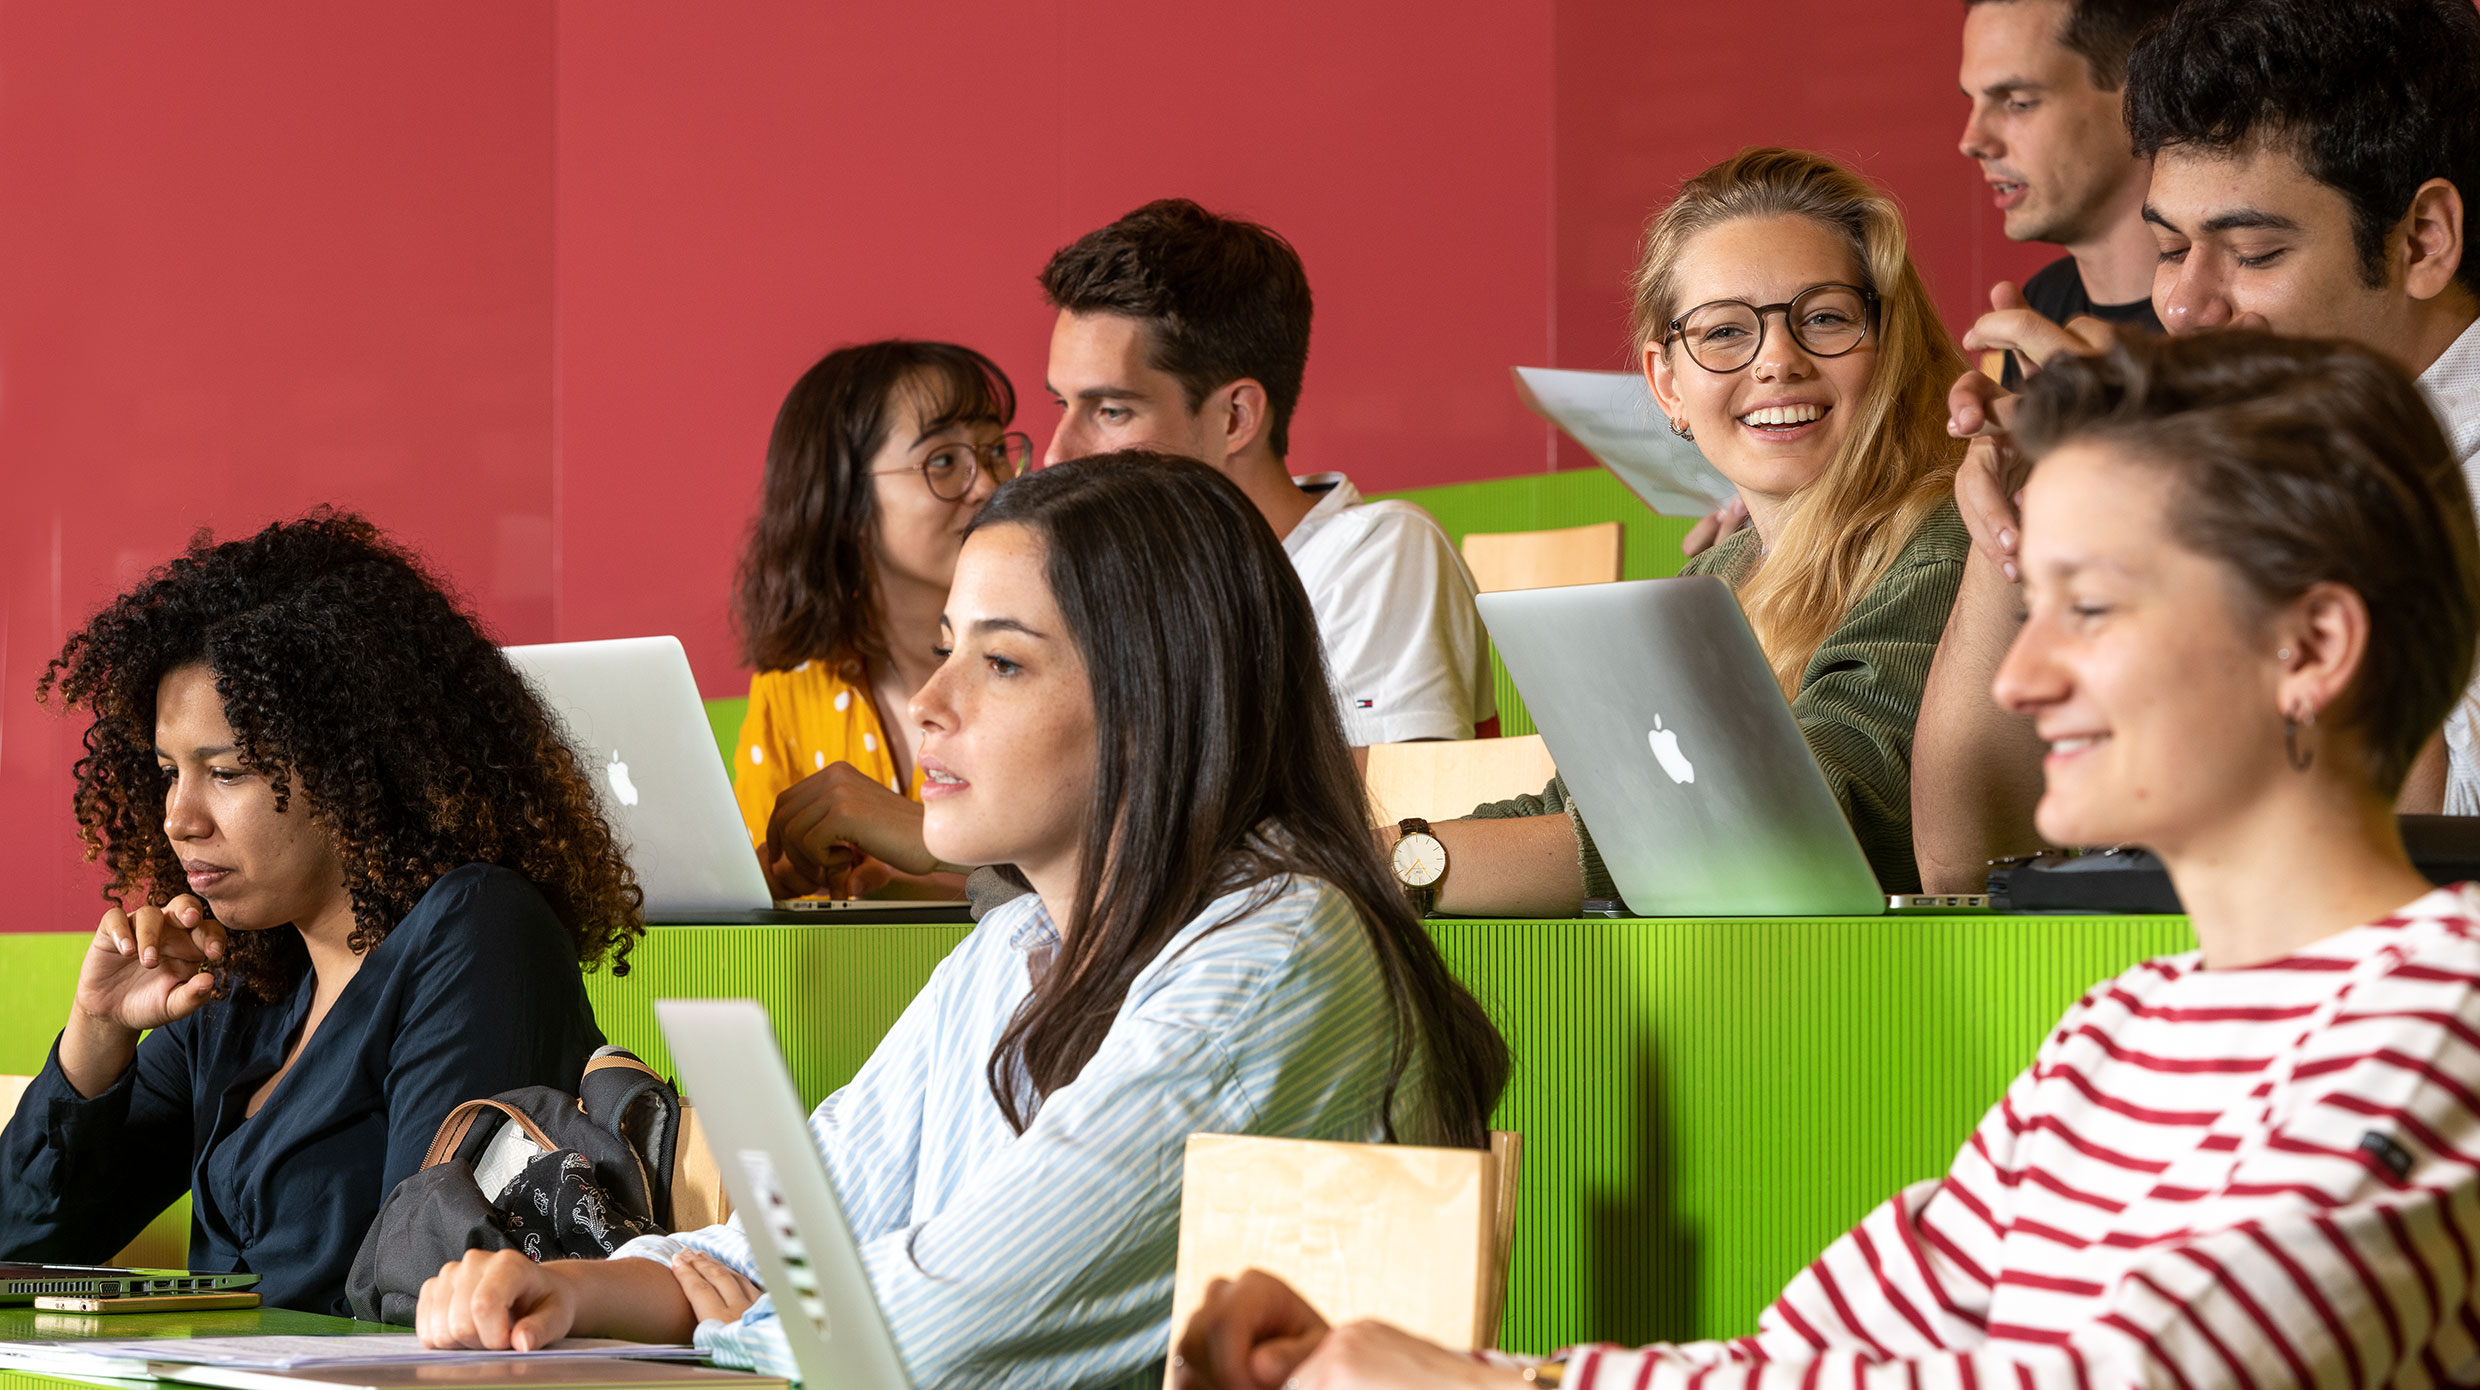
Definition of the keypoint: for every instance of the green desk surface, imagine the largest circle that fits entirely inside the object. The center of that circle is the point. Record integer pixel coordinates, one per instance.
(21, 1324)
(1704, 1103)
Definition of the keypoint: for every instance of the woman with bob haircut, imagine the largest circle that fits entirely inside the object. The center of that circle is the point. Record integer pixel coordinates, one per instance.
(355, 872)
(1132, 712)
(880, 458)
(1781, 325)
(2254, 590)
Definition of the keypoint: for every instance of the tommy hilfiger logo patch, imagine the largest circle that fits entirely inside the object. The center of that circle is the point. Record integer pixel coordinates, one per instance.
(2383, 1149)
(1364, 704)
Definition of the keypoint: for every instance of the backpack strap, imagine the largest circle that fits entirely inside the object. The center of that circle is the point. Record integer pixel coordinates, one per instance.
(460, 1123)
(624, 1097)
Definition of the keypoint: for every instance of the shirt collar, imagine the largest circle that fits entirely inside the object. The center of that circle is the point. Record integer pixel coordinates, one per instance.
(1037, 933)
(1339, 494)
(2452, 384)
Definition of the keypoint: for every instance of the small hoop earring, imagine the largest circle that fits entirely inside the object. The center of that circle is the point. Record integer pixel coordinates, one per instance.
(2282, 655)
(1683, 431)
(2291, 725)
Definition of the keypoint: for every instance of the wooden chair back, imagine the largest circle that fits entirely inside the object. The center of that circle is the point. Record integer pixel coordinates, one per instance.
(1445, 779)
(1545, 559)
(1410, 1235)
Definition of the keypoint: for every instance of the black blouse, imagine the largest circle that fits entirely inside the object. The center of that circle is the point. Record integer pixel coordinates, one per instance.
(475, 992)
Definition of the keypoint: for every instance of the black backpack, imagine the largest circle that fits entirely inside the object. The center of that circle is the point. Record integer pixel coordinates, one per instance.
(576, 1176)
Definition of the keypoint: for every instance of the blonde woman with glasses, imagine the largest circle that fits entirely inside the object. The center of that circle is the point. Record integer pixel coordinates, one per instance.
(1782, 327)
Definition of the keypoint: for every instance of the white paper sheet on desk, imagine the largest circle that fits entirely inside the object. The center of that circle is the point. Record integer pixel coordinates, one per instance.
(1613, 416)
(134, 1358)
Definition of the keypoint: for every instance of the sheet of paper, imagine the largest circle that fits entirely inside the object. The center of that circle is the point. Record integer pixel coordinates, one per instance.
(1613, 416)
(131, 1358)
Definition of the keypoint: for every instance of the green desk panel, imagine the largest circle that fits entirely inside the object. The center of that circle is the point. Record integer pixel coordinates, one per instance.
(1704, 1103)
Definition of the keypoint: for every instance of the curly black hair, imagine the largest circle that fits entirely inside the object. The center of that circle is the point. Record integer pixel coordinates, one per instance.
(351, 672)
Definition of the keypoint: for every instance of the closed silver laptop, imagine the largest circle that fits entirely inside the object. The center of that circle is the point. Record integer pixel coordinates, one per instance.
(1680, 751)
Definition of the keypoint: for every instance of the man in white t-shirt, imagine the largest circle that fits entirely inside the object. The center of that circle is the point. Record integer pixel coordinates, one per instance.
(1188, 333)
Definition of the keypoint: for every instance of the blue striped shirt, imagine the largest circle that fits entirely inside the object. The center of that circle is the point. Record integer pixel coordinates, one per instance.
(1045, 1258)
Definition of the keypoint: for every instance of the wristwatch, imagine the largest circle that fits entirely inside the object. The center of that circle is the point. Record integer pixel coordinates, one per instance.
(1419, 862)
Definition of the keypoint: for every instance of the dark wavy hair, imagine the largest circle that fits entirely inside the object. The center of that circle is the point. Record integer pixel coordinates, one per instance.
(807, 588)
(349, 673)
(2373, 97)
(2296, 463)
(1221, 765)
(1221, 299)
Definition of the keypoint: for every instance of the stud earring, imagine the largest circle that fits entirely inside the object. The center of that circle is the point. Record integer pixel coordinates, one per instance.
(2282, 655)
(1683, 431)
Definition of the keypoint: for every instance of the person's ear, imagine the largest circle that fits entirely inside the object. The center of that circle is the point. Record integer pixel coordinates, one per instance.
(1664, 380)
(2321, 641)
(1241, 416)
(2433, 239)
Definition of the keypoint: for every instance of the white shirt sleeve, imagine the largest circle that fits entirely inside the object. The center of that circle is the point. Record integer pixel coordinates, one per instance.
(1405, 648)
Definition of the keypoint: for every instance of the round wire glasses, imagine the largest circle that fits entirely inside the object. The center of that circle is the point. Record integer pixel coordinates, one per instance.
(1725, 335)
(951, 469)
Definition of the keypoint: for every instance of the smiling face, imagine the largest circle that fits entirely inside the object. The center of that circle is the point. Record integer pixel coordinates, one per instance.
(2249, 232)
(1774, 425)
(257, 867)
(1008, 743)
(1112, 397)
(2150, 677)
(2052, 146)
(920, 533)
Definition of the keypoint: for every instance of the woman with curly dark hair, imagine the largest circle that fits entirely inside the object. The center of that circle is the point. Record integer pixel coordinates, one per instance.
(367, 871)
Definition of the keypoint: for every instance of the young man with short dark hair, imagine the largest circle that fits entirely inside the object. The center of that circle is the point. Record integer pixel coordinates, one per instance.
(1188, 332)
(2309, 161)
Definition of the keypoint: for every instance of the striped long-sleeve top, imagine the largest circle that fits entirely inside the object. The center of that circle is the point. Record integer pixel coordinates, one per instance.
(1045, 1258)
(2248, 1177)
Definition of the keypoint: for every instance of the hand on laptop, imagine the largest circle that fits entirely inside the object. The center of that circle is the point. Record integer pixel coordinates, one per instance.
(840, 831)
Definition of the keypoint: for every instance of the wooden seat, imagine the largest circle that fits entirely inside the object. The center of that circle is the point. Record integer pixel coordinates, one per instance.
(1415, 1236)
(1504, 560)
(1445, 779)
(164, 1244)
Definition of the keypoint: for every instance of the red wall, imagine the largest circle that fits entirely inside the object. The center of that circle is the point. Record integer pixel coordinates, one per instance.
(525, 279)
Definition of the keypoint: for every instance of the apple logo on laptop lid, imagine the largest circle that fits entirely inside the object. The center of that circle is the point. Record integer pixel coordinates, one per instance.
(1665, 743)
(625, 789)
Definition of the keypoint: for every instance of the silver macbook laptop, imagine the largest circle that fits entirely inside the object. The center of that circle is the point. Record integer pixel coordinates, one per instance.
(1680, 751)
(632, 713)
(759, 1132)
(24, 1283)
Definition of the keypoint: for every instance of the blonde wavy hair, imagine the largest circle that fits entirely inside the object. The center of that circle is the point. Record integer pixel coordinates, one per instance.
(1838, 535)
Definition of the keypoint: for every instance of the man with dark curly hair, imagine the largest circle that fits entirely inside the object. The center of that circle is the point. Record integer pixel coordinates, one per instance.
(355, 872)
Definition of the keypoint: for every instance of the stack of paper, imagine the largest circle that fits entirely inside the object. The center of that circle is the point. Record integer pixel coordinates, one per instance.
(379, 1361)
(1612, 415)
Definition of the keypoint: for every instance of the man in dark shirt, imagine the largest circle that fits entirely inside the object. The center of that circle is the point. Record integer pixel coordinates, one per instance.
(2048, 129)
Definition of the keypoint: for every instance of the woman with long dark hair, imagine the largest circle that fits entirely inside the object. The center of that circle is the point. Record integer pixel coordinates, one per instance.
(355, 872)
(880, 458)
(1133, 713)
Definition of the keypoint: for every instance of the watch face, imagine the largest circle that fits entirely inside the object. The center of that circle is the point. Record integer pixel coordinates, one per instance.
(1420, 860)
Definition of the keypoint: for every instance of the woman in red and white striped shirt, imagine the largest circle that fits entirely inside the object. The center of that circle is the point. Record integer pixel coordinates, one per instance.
(2253, 588)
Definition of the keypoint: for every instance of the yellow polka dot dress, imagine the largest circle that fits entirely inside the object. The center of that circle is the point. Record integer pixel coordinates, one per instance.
(799, 721)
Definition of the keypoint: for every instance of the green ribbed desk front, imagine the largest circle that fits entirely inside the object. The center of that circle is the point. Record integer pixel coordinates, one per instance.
(1704, 1104)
